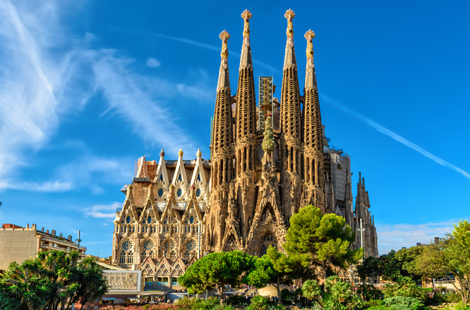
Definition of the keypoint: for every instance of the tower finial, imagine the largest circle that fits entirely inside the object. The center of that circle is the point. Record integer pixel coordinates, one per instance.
(245, 59)
(289, 58)
(310, 78)
(224, 81)
(224, 36)
(289, 16)
(246, 15)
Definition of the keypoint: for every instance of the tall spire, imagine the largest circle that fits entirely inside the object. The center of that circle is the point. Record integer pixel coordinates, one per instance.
(245, 59)
(224, 81)
(289, 58)
(310, 78)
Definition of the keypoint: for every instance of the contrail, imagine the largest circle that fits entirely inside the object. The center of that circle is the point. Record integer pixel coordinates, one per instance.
(190, 42)
(395, 136)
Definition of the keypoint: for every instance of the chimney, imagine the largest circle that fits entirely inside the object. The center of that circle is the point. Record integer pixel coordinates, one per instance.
(34, 226)
(53, 232)
(47, 231)
(60, 235)
(436, 240)
(69, 238)
(27, 225)
(42, 229)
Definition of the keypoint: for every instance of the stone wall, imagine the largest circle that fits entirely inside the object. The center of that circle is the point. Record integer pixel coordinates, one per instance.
(17, 245)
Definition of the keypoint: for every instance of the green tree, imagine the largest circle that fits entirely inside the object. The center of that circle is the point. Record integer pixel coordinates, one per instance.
(51, 279)
(457, 258)
(431, 263)
(312, 290)
(273, 268)
(317, 239)
(217, 270)
(407, 259)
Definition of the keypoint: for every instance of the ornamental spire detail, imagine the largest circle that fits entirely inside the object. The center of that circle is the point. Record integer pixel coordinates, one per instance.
(245, 59)
(310, 79)
(224, 81)
(289, 58)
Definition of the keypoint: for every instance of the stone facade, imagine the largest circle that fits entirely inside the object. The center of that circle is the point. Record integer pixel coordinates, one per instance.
(266, 162)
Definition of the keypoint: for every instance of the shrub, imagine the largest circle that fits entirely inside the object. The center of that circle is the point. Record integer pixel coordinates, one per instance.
(405, 287)
(287, 297)
(258, 303)
(373, 303)
(379, 308)
(369, 292)
(237, 300)
(403, 303)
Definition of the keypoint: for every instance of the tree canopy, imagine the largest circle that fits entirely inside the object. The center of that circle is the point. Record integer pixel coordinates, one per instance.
(50, 280)
(317, 239)
(217, 270)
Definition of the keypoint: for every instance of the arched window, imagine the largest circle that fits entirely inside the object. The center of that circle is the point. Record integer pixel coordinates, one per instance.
(189, 248)
(191, 220)
(198, 192)
(149, 220)
(179, 192)
(128, 219)
(127, 253)
(160, 192)
(148, 248)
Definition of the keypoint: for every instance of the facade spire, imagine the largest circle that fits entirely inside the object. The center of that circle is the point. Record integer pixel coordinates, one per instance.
(310, 78)
(289, 58)
(224, 81)
(245, 60)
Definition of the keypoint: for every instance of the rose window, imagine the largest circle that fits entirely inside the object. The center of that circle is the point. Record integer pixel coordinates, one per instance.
(148, 249)
(126, 255)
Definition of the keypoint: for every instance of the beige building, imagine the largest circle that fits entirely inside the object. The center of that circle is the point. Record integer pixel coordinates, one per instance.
(20, 243)
(266, 162)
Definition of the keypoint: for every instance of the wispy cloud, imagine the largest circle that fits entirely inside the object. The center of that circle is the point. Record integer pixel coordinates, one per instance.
(49, 187)
(152, 63)
(103, 211)
(405, 235)
(191, 42)
(45, 73)
(396, 136)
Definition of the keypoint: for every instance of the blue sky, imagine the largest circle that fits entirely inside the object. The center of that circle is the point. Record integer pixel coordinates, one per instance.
(87, 87)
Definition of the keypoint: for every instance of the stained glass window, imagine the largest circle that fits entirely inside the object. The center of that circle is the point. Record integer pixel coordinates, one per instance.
(191, 220)
(198, 192)
(179, 192)
(149, 219)
(128, 219)
(160, 192)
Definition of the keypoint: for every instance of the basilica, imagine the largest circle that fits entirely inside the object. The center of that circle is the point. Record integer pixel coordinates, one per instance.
(267, 160)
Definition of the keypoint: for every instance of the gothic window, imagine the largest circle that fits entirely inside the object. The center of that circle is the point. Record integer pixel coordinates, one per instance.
(198, 192)
(127, 254)
(160, 192)
(179, 177)
(148, 247)
(189, 248)
(128, 219)
(266, 241)
(149, 219)
(198, 177)
(191, 220)
(179, 192)
(161, 178)
(169, 249)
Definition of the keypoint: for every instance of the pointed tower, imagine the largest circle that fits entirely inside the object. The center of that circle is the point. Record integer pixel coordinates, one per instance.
(291, 140)
(222, 150)
(313, 134)
(245, 148)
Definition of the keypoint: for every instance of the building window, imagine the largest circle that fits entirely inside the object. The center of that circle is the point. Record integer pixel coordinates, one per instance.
(149, 219)
(179, 192)
(128, 219)
(191, 220)
(160, 192)
(148, 247)
(127, 254)
(174, 281)
(161, 177)
(198, 192)
(198, 177)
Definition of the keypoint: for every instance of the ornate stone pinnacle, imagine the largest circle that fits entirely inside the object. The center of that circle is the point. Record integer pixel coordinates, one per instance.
(309, 35)
(289, 16)
(246, 15)
(162, 153)
(224, 36)
(198, 153)
(180, 153)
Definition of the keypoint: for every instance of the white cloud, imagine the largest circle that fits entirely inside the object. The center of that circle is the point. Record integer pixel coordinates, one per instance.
(405, 235)
(103, 211)
(56, 186)
(152, 63)
(45, 73)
